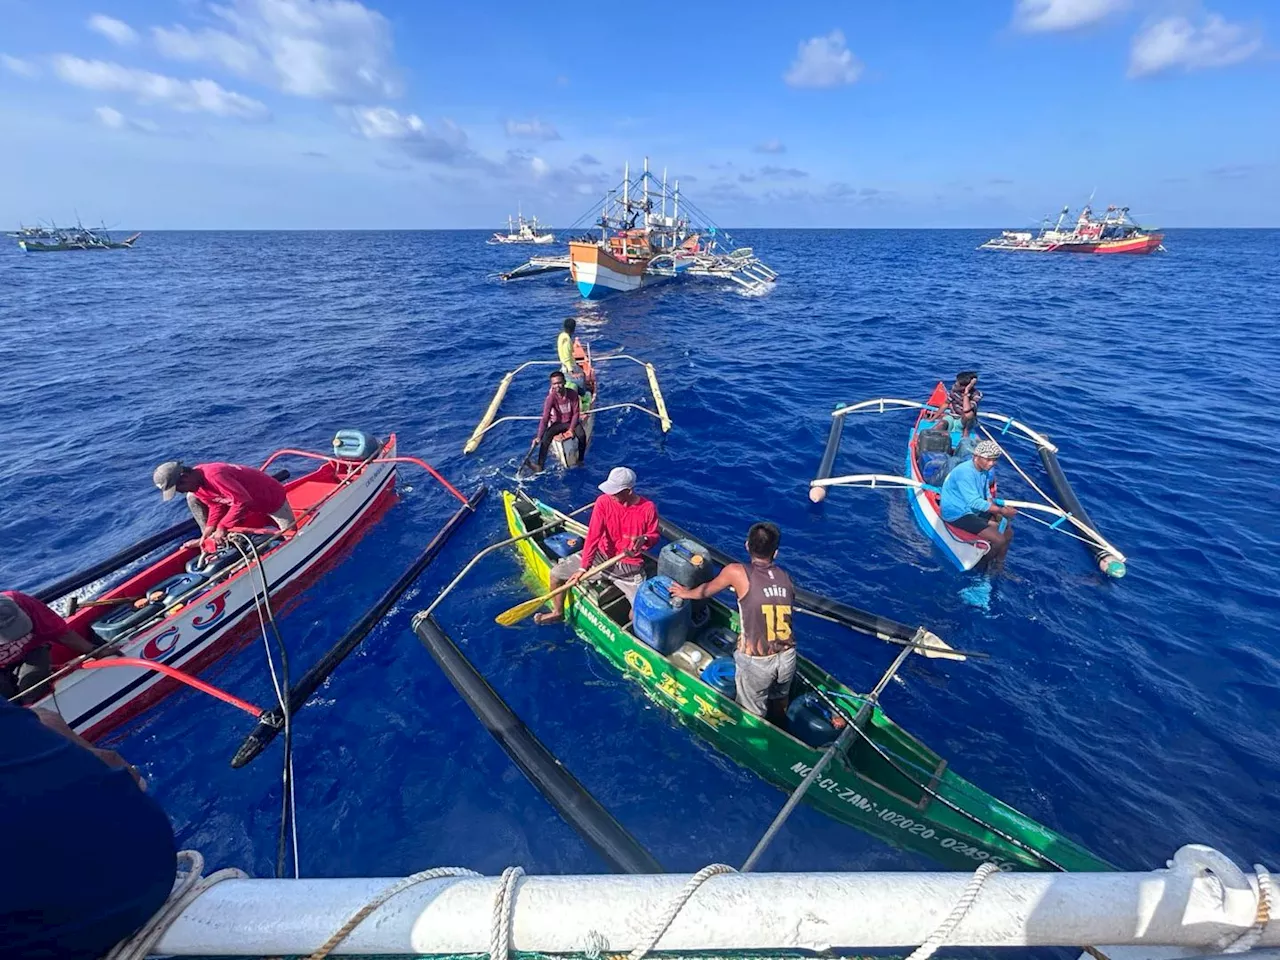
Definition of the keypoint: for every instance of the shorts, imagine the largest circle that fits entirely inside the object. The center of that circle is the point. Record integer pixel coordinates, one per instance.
(973, 523)
(284, 516)
(760, 679)
(628, 582)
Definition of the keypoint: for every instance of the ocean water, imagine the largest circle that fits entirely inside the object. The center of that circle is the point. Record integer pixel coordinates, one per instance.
(1134, 716)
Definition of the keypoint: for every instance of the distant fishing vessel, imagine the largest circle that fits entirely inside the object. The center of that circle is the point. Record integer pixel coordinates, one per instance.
(640, 244)
(1113, 232)
(56, 239)
(520, 230)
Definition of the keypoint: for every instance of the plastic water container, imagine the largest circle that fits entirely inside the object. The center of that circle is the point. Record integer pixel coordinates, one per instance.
(934, 467)
(354, 445)
(659, 619)
(721, 640)
(720, 677)
(686, 562)
(563, 544)
(124, 617)
(809, 719)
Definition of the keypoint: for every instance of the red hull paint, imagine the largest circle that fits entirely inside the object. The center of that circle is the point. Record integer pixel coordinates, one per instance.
(1147, 243)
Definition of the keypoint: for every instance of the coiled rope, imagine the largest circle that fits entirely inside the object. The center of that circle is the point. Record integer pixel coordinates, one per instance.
(187, 886)
(1262, 916)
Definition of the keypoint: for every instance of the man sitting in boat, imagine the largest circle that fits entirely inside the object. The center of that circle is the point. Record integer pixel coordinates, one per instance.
(623, 522)
(961, 412)
(968, 502)
(765, 659)
(223, 496)
(27, 627)
(574, 374)
(561, 418)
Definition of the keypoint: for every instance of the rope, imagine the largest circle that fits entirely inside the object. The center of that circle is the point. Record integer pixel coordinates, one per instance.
(187, 886)
(1245, 941)
(690, 888)
(503, 908)
(398, 887)
(957, 914)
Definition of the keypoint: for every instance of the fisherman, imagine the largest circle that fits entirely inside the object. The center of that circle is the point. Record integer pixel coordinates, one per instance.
(91, 857)
(961, 411)
(765, 658)
(27, 627)
(561, 418)
(574, 374)
(623, 522)
(222, 496)
(969, 502)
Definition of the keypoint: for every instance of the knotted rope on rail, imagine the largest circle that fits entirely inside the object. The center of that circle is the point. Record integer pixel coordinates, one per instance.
(958, 912)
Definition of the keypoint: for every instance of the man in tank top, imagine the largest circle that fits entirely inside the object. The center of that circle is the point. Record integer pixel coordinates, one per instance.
(765, 661)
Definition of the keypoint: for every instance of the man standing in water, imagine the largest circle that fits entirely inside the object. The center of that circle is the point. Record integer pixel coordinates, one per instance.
(765, 660)
(968, 502)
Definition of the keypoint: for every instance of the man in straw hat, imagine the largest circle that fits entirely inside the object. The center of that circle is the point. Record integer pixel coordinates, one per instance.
(969, 502)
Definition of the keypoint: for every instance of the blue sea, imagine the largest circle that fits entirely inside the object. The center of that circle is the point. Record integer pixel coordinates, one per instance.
(1133, 715)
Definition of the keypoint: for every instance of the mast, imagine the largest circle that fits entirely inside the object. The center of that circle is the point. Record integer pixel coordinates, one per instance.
(646, 192)
(675, 215)
(626, 190)
(664, 195)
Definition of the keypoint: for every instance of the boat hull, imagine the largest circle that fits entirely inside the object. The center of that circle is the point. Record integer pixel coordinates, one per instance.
(861, 788)
(1147, 243)
(599, 274)
(208, 625)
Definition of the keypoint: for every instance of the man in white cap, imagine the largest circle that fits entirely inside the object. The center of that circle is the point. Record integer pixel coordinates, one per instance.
(622, 521)
(223, 496)
(969, 502)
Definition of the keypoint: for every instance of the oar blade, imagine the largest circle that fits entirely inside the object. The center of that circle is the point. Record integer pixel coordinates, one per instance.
(935, 648)
(520, 611)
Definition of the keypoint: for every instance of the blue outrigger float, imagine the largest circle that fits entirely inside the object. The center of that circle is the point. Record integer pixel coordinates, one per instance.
(924, 472)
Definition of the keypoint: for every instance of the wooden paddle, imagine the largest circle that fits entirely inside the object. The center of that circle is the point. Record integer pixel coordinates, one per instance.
(76, 603)
(522, 610)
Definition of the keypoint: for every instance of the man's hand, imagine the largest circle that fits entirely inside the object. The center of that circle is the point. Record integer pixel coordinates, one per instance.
(534, 442)
(104, 651)
(574, 578)
(564, 436)
(219, 536)
(681, 593)
(192, 543)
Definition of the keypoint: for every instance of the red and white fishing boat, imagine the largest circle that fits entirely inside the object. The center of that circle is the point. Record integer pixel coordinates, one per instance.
(1113, 232)
(205, 611)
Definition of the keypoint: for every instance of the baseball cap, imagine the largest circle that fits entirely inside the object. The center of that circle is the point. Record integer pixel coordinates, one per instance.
(166, 477)
(14, 622)
(620, 478)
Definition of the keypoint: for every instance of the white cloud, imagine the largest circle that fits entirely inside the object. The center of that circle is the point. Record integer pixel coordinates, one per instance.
(824, 62)
(117, 31)
(336, 50)
(1176, 43)
(539, 167)
(446, 144)
(115, 120)
(23, 68)
(771, 146)
(534, 129)
(188, 96)
(1047, 16)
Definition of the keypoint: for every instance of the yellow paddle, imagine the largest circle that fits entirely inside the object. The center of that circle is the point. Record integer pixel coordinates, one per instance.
(521, 610)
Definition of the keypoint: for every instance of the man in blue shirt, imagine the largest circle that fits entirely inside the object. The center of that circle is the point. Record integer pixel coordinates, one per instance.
(969, 505)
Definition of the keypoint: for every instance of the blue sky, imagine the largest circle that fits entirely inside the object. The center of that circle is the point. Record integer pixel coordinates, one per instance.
(399, 114)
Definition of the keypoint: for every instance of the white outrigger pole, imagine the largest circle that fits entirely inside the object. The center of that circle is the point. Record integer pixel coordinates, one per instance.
(1109, 558)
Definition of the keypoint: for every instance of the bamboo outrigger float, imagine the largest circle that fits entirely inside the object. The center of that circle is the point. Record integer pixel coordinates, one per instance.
(640, 245)
(963, 549)
(565, 450)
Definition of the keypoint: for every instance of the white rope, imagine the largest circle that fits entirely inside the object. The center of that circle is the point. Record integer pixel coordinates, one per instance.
(957, 914)
(1022, 473)
(1262, 916)
(187, 886)
(690, 888)
(399, 886)
(503, 908)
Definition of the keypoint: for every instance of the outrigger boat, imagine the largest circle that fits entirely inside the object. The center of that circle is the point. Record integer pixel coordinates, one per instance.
(521, 230)
(1113, 232)
(194, 607)
(880, 779)
(566, 448)
(640, 245)
(42, 240)
(925, 471)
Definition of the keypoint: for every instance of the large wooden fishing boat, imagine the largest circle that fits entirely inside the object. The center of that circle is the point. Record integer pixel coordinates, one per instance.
(887, 783)
(57, 239)
(1113, 232)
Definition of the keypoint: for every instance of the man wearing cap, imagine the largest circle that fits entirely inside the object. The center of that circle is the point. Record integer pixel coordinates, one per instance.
(969, 504)
(223, 496)
(27, 627)
(622, 521)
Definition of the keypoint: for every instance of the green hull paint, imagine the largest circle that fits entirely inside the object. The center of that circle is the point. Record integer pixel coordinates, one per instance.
(907, 799)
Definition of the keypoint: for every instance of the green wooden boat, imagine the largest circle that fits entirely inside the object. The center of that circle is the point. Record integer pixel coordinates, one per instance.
(888, 783)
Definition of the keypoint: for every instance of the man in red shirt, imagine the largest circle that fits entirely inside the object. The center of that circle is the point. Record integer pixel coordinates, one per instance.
(225, 495)
(561, 417)
(27, 627)
(622, 521)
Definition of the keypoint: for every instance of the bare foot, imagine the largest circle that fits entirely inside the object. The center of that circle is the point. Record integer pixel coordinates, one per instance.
(542, 619)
